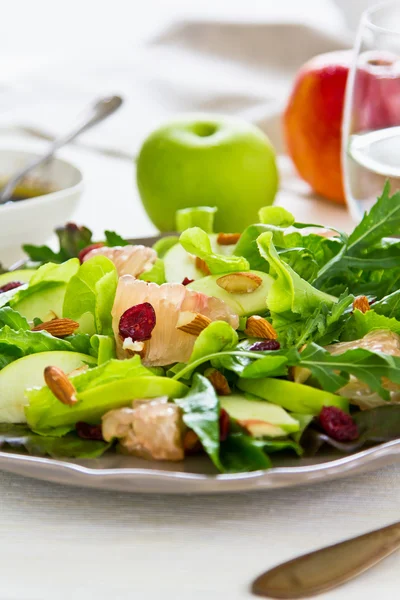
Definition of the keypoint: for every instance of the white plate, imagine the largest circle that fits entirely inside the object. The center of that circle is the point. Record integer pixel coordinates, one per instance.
(196, 475)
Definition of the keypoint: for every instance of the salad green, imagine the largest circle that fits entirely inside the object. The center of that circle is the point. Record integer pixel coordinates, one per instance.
(279, 336)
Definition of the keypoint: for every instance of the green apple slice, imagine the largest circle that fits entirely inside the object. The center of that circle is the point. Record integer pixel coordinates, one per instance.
(27, 372)
(243, 304)
(260, 418)
(296, 397)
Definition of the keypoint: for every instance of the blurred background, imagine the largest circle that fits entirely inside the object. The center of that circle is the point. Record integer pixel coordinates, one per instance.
(163, 57)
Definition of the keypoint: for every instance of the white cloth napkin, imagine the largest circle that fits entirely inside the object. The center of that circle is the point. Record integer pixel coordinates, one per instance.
(207, 57)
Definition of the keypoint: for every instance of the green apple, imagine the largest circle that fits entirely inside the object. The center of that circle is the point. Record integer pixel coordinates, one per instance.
(207, 160)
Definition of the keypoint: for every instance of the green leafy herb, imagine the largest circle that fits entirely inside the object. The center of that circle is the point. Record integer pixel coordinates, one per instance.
(156, 274)
(201, 413)
(70, 446)
(90, 295)
(199, 216)
(196, 241)
(113, 239)
(13, 319)
(289, 292)
(72, 239)
(241, 453)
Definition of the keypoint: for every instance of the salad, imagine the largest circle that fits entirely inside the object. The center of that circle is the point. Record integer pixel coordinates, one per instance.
(284, 338)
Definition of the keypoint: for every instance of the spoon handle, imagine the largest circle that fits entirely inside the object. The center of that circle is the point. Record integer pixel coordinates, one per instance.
(329, 567)
(95, 113)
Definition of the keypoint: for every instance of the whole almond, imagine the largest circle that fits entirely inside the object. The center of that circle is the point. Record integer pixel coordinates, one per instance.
(218, 381)
(239, 283)
(192, 323)
(361, 303)
(257, 326)
(202, 265)
(228, 239)
(59, 384)
(58, 327)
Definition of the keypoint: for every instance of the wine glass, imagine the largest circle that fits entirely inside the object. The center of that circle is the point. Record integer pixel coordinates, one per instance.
(371, 121)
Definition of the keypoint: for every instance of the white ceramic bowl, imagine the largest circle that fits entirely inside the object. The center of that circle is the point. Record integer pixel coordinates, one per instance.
(32, 221)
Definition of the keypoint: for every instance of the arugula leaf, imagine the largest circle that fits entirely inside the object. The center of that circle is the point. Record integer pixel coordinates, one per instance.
(80, 342)
(113, 239)
(13, 319)
(368, 262)
(333, 372)
(201, 412)
(279, 445)
(389, 306)
(70, 446)
(199, 216)
(196, 241)
(324, 326)
(289, 292)
(90, 295)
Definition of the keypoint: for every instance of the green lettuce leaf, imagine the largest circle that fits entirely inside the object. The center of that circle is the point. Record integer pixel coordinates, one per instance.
(111, 385)
(388, 306)
(90, 295)
(362, 323)
(103, 347)
(23, 342)
(13, 319)
(201, 412)
(156, 274)
(196, 241)
(289, 292)
(199, 216)
(71, 446)
(276, 215)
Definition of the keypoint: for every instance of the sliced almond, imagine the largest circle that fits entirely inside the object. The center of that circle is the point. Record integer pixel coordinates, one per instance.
(259, 327)
(202, 265)
(60, 385)
(58, 327)
(218, 381)
(192, 323)
(361, 303)
(239, 283)
(228, 239)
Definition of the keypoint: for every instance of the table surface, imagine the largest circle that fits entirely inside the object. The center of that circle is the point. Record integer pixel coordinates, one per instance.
(60, 542)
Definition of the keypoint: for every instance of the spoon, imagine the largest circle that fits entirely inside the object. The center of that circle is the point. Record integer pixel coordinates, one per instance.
(96, 112)
(329, 567)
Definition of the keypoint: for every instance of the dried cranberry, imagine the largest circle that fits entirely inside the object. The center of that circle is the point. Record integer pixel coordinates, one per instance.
(186, 281)
(89, 432)
(224, 425)
(338, 424)
(266, 345)
(11, 285)
(88, 249)
(138, 322)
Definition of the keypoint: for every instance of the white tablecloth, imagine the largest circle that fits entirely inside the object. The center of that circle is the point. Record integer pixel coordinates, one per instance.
(63, 543)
